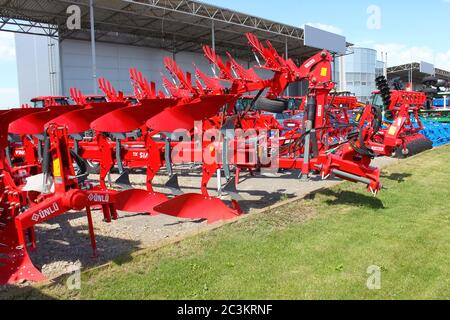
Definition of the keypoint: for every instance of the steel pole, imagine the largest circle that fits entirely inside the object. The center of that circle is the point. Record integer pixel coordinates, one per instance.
(411, 77)
(286, 52)
(61, 91)
(213, 42)
(334, 67)
(213, 35)
(93, 47)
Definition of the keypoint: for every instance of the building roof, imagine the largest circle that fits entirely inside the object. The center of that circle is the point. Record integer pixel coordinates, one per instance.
(403, 71)
(173, 25)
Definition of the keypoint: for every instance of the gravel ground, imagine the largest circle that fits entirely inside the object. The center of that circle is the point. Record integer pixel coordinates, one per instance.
(63, 243)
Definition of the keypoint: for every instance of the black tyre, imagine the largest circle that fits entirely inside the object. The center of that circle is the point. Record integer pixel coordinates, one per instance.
(430, 81)
(414, 147)
(430, 90)
(442, 83)
(269, 105)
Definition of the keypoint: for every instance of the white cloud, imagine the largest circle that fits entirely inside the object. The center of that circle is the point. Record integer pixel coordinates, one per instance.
(402, 54)
(7, 46)
(326, 27)
(9, 98)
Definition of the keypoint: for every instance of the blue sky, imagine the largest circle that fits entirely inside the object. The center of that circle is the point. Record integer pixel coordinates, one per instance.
(410, 30)
(8, 74)
(402, 21)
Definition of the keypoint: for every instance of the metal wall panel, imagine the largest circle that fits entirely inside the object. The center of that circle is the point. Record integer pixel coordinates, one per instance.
(37, 66)
(114, 62)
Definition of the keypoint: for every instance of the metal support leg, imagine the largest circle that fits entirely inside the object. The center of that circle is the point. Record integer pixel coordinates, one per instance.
(219, 182)
(310, 124)
(168, 157)
(113, 211)
(32, 238)
(106, 213)
(91, 232)
(119, 156)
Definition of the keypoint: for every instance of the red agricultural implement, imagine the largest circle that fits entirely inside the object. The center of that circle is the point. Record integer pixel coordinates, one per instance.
(62, 188)
(402, 124)
(47, 101)
(56, 147)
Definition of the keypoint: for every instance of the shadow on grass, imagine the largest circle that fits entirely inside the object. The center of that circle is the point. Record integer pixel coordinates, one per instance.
(265, 199)
(352, 199)
(25, 293)
(399, 177)
(70, 243)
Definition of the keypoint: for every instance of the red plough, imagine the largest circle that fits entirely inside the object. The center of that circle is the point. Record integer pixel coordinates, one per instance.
(56, 143)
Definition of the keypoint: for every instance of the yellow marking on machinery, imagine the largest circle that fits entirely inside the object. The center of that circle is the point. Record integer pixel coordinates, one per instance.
(392, 130)
(57, 168)
(324, 72)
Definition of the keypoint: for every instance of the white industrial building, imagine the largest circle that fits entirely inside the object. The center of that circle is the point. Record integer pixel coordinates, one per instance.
(116, 35)
(54, 67)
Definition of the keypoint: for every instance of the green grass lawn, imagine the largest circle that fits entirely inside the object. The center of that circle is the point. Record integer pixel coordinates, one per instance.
(312, 249)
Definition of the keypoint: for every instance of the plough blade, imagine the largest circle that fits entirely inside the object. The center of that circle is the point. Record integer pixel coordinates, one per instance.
(35, 123)
(130, 118)
(15, 263)
(139, 201)
(79, 121)
(197, 206)
(12, 115)
(184, 116)
(8, 117)
(16, 267)
(124, 180)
